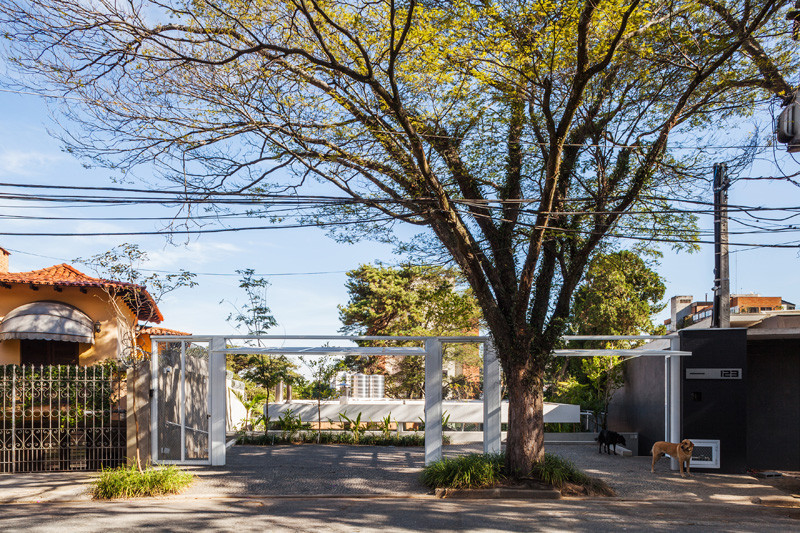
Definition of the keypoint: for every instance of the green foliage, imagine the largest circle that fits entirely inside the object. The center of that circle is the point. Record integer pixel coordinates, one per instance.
(472, 471)
(618, 297)
(266, 371)
(476, 471)
(353, 426)
(129, 482)
(334, 437)
(254, 315)
(72, 394)
(385, 425)
(290, 424)
(557, 471)
(408, 300)
(445, 421)
(252, 405)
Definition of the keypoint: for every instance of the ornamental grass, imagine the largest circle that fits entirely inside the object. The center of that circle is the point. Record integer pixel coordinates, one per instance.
(129, 482)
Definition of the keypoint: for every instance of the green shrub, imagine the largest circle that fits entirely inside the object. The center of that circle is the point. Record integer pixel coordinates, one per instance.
(557, 471)
(479, 471)
(353, 426)
(385, 425)
(331, 437)
(129, 482)
(290, 424)
(468, 471)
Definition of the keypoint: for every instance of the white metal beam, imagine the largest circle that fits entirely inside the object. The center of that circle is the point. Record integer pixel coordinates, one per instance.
(330, 350)
(631, 352)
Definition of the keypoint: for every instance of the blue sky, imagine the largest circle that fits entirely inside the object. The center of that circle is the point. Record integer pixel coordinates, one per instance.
(303, 303)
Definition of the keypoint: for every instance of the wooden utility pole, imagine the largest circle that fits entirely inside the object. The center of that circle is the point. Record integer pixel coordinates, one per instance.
(721, 313)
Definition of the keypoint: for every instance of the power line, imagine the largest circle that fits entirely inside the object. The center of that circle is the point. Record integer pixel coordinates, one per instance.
(271, 274)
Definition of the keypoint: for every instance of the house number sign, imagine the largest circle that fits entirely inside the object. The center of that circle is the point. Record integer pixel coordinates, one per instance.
(713, 373)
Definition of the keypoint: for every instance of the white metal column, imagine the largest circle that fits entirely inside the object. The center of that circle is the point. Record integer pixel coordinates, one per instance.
(433, 400)
(491, 400)
(674, 396)
(217, 376)
(153, 401)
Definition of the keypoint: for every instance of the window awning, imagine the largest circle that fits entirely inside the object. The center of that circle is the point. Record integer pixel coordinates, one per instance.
(45, 320)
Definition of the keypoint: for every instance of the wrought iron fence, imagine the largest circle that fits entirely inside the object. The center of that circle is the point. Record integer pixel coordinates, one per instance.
(61, 417)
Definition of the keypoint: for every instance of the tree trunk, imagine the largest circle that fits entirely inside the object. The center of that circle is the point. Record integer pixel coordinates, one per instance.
(135, 374)
(525, 444)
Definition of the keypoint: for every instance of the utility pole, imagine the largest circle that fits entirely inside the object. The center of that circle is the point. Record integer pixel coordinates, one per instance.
(788, 126)
(721, 313)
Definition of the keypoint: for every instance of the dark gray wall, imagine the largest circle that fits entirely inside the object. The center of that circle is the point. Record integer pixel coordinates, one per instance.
(773, 404)
(639, 405)
(716, 408)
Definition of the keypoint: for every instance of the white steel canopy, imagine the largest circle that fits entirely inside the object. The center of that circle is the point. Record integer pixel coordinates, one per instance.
(220, 346)
(47, 320)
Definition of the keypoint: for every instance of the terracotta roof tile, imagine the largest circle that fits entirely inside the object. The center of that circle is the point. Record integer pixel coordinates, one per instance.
(64, 275)
(154, 330)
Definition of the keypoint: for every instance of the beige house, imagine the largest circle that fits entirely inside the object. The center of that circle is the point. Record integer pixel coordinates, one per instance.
(59, 315)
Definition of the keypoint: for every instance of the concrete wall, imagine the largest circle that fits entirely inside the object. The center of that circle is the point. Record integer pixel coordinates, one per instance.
(716, 408)
(412, 410)
(236, 411)
(639, 405)
(94, 303)
(773, 404)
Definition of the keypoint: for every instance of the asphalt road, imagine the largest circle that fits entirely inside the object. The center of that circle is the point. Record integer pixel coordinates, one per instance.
(348, 488)
(393, 515)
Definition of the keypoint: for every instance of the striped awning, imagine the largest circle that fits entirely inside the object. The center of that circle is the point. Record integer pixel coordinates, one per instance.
(46, 320)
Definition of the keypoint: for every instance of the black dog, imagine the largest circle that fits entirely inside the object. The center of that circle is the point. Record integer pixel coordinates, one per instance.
(609, 438)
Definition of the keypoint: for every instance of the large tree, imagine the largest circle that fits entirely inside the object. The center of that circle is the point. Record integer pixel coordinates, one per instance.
(409, 300)
(520, 135)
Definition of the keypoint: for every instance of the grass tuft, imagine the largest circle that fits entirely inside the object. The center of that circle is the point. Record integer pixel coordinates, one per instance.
(557, 471)
(468, 471)
(128, 482)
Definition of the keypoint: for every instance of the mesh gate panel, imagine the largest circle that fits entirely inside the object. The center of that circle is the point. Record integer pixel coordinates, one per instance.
(169, 416)
(183, 401)
(197, 396)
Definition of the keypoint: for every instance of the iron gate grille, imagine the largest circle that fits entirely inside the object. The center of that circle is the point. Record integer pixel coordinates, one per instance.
(61, 417)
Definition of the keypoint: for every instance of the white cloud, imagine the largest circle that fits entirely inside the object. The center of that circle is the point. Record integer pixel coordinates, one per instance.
(28, 162)
(190, 256)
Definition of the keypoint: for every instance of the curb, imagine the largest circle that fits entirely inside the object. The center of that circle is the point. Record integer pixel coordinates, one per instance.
(499, 493)
(777, 501)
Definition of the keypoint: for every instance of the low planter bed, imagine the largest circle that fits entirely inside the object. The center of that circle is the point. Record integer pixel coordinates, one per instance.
(331, 437)
(484, 476)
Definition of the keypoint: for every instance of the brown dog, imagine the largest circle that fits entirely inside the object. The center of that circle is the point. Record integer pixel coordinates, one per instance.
(682, 452)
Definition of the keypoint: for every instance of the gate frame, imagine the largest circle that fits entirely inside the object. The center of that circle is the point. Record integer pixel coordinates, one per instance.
(154, 375)
(218, 350)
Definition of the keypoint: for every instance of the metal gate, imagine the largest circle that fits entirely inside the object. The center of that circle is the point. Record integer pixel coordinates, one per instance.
(61, 417)
(181, 402)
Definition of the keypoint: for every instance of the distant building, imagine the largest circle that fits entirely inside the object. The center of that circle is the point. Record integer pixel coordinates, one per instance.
(746, 310)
